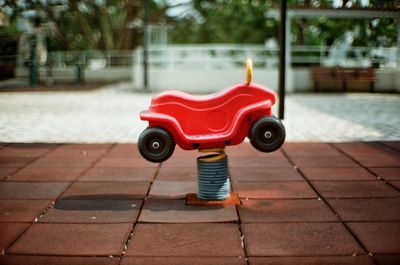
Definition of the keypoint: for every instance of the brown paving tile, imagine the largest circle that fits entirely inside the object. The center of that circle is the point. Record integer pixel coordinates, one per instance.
(180, 161)
(310, 149)
(24, 151)
(119, 174)
(93, 211)
(355, 189)
(107, 190)
(257, 161)
(342, 174)
(185, 240)
(16, 162)
(363, 148)
(183, 260)
(382, 237)
(324, 161)
(176, 211)
(371, 154)
(393, 144)
(33, 173)
(274, 190)
(299, 239)
(264, 174)
(72, 239)
(387, 173)
(178, 174)
(259, 211)
(6, 171)
(172, 189)
(9, 233)
(387, 259)
(395, 183)
(124, 150)
(384, 209)
(31, 190)
(246, 149)
(86, 146)
(83, 162)
(55, 260)
(125, 162)
(78, 150)
(357, 260)
(22, 210)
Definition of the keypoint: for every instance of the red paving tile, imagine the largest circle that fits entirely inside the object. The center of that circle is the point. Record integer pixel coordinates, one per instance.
(259, 211)
(55, 260)
(324, 161)
(342, 174)
(72, 240)
(299, 239)
(393, 144)
(33, 173)
(9, 233)
(395, 184)
(257, 161)
(80, 150)
(387, 259)
(176, 211)
(124, 150)
(245, 149)
(185, 240)
(16, 162)
(180, 161)
(357, 260)
(166, 189)
(70, 161)
(22, 210)
(310, 149)
(6, 171)
(264, 174)
(107, 190)
(25, 151)
(119, 174)
(382, 237)
(387, 209)
(31, 190)
(274, 190)
(124, 162)
(178, 174)
(371, 154)
(355, 189)
(183, 260)
(93, 211)
(387, 173)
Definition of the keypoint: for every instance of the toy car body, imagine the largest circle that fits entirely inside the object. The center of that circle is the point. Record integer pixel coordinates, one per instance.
(212, 121)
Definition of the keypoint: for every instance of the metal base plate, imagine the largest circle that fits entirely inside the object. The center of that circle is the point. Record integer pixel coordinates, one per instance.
(233, 199)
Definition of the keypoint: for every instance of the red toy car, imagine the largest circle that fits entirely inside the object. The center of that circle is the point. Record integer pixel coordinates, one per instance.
(217, 120)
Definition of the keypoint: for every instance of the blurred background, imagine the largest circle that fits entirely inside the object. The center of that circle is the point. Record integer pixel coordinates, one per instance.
(101, 61)
(196, 45)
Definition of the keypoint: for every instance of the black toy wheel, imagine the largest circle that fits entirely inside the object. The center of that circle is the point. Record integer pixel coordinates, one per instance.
(156, 144)
(267, 134)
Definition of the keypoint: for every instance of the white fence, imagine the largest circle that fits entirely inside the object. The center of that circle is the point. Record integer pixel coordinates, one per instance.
(207, 68)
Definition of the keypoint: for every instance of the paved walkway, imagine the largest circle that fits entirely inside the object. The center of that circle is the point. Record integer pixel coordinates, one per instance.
(307, 203)
(111, 115)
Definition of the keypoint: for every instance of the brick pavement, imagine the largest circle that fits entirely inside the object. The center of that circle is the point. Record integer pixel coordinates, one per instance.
(316, 203)
(110, 115)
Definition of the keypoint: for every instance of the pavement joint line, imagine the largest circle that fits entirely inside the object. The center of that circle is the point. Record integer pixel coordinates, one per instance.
(53, 203)
(128, 240)
(37, 218)
(366, 168)
(390, 146)
(243, 243)
(320, 197)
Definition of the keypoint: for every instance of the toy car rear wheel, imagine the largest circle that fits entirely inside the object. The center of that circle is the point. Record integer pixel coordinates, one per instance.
(267, 134)
(156, 144)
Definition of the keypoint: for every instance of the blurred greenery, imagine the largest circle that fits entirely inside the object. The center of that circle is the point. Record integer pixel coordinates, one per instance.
(117, 24)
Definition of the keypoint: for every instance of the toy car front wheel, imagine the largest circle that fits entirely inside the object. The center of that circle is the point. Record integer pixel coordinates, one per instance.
(156, 144)
(267, 134)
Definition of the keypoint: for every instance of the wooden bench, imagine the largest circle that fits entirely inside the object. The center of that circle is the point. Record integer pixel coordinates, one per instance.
(342, 79)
